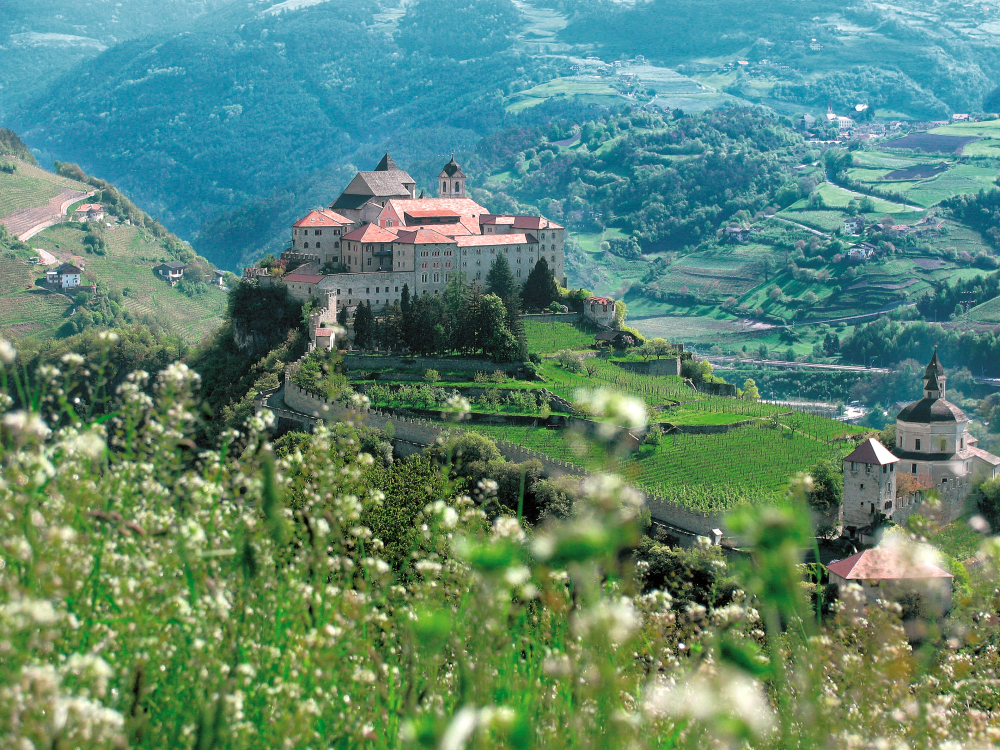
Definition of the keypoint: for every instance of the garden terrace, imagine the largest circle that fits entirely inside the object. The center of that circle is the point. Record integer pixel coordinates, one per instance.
(705, 473)
(545, 338)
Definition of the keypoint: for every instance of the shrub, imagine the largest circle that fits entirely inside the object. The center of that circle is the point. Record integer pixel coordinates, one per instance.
(431, 376)
(569, 360)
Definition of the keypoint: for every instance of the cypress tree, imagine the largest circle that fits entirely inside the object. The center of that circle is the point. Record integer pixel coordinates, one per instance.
(540, 289)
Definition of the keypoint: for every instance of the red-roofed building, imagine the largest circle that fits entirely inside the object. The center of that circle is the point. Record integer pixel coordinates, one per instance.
(369, 248)
(897, 574)
(319, 233)
(600, 310)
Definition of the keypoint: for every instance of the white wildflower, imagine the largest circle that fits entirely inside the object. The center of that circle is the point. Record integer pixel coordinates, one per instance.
(7, 352)
(27, 425)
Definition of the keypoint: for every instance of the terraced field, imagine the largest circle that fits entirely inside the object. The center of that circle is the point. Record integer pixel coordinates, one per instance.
(24, 308)
(707, 473)
(127, 268)
(30, 186)
(988, 312)
(545, 338)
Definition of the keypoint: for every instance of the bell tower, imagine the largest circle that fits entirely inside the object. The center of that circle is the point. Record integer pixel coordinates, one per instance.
(934, 379)
(451, 181)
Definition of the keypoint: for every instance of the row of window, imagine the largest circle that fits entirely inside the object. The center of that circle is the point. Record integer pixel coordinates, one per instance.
(942, 445)
(317, 232)
(305, 245)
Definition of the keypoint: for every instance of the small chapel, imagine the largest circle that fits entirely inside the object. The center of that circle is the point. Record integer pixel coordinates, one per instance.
(933, 445)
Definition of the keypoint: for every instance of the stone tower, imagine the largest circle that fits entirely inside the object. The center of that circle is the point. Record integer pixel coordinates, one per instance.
(869, 485)
(451, 180)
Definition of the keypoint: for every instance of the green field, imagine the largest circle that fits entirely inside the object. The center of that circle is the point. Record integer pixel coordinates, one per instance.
(128, 268)
(589, 90)
(30, 186)
(545, 338)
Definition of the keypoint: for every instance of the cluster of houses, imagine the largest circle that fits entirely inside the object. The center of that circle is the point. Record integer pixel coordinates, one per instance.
(857, 226)
(594, 65)
(740, 234)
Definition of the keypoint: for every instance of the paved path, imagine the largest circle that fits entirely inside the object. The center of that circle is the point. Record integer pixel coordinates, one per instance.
(782, 364)
(46, 258)
(28, 222)
(800, 226)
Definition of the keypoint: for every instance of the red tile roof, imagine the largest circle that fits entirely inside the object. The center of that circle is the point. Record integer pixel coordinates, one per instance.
(424, 236)
(431, 214)
(885, 563)
(371, 233)
(872, 452)
(322, 218)
(600, 300)
(446, 206)
(520, 222)
(303, 278)
(495, 239)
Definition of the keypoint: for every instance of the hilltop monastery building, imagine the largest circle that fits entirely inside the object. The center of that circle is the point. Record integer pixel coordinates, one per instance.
(377, 236)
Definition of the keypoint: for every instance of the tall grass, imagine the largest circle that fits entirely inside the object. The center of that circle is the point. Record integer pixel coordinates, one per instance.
(159, 594)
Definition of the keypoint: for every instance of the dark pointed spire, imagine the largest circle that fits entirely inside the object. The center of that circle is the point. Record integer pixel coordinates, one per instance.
(387, 164)
(451, 169)
(934, 366)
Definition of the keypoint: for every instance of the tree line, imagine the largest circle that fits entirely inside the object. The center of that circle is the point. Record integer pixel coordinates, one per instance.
(467, 319)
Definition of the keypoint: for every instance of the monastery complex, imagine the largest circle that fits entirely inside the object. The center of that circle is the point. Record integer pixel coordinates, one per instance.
(378, 235)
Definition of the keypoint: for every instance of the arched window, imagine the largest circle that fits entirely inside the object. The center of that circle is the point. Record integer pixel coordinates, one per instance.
(456, 187)
(317, 246)
(444, 186)
(306, 244)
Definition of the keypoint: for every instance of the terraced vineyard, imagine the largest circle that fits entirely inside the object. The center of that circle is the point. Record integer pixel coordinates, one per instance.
(30, 186)
(705, 473)
(127, 268)
(25, 309)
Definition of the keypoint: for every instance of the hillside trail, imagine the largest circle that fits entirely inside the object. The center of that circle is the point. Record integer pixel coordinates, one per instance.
(27, 222)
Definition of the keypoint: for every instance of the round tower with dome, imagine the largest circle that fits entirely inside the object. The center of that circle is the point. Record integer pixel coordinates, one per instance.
(933, 441)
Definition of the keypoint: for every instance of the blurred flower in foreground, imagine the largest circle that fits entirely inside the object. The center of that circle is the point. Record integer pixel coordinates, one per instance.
(727, 701)
(613, 410)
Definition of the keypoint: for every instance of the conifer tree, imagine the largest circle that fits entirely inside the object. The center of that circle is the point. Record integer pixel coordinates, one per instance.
(500, 281)
(363, 325)
(540, 289)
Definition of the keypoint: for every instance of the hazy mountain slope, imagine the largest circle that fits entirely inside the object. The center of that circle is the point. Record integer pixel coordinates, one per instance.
(40, 41)
(196, 124)
(948, 51)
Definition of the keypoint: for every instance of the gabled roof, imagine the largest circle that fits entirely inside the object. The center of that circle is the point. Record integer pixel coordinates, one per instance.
(884, 563)
(173, 265)
(68, 268)
(351, 201)
(424, 236)
(446, 206)
(89, 207)
(872, 452)
(371, 233)
(322, 218)
(476, 240)
(303, 278)
(599, 301)
(985, 456)
(521, 222)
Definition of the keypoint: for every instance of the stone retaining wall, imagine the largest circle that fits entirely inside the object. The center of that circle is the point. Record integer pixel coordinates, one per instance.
(687, 525)
(555, 317)
(375, 362)
(665, 366)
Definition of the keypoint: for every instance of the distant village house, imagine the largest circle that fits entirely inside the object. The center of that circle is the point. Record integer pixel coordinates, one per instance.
(66, 276)
(90, 212)
(171, 272)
